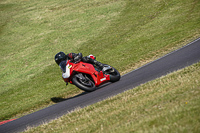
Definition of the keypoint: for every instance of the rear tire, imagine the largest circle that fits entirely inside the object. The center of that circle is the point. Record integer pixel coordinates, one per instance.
(85, 86)
(114, 75)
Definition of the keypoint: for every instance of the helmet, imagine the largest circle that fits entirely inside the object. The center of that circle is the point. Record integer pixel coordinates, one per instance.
(59, 57)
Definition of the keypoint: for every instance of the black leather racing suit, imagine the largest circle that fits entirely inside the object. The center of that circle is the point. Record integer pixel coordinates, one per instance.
(77, 57)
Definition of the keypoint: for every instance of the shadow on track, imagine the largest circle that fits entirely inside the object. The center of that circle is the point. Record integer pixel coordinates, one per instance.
(60, 99)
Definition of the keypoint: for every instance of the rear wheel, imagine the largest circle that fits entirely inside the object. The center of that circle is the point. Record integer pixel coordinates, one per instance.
(114, 74)
(84, 82)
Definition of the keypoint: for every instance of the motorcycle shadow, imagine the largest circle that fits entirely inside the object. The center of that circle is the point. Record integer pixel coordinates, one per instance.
(60, 99)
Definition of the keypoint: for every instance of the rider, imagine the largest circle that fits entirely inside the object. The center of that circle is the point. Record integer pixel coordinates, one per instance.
(73, 57)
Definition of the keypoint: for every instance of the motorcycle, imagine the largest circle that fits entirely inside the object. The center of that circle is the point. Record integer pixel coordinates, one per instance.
(88, 77)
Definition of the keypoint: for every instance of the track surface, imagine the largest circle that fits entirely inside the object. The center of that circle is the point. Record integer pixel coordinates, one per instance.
(178, 59)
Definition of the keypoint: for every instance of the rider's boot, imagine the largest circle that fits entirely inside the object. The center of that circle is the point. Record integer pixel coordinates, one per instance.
(99, 64)
(92, 61)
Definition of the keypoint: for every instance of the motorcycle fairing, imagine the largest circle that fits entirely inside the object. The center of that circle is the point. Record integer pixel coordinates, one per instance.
(98, 77)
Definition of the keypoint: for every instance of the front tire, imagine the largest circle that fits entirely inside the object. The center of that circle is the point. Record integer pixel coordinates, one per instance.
(87, 86)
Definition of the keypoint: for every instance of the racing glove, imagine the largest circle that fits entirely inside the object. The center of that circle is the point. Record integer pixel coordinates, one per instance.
(78, 58)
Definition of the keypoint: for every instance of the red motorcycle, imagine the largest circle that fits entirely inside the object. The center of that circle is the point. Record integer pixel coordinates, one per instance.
(88, 77)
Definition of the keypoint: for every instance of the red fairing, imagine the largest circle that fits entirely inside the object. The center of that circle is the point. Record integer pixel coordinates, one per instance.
(81, 67)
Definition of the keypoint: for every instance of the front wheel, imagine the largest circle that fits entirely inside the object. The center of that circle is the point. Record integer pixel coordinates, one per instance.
(114, 74)
(83, 82)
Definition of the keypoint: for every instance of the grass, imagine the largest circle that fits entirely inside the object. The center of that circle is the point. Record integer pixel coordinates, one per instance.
(31, 34)
(125, 34)
(167, 104)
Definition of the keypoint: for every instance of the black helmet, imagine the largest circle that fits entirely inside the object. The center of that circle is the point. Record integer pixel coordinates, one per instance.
(59, 57)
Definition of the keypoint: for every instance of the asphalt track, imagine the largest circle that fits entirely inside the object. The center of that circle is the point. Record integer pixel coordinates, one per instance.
(173, 61)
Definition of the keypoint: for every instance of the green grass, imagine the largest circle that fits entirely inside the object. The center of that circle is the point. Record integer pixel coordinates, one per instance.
(168, 104)
(125, 34)
(31, 34)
